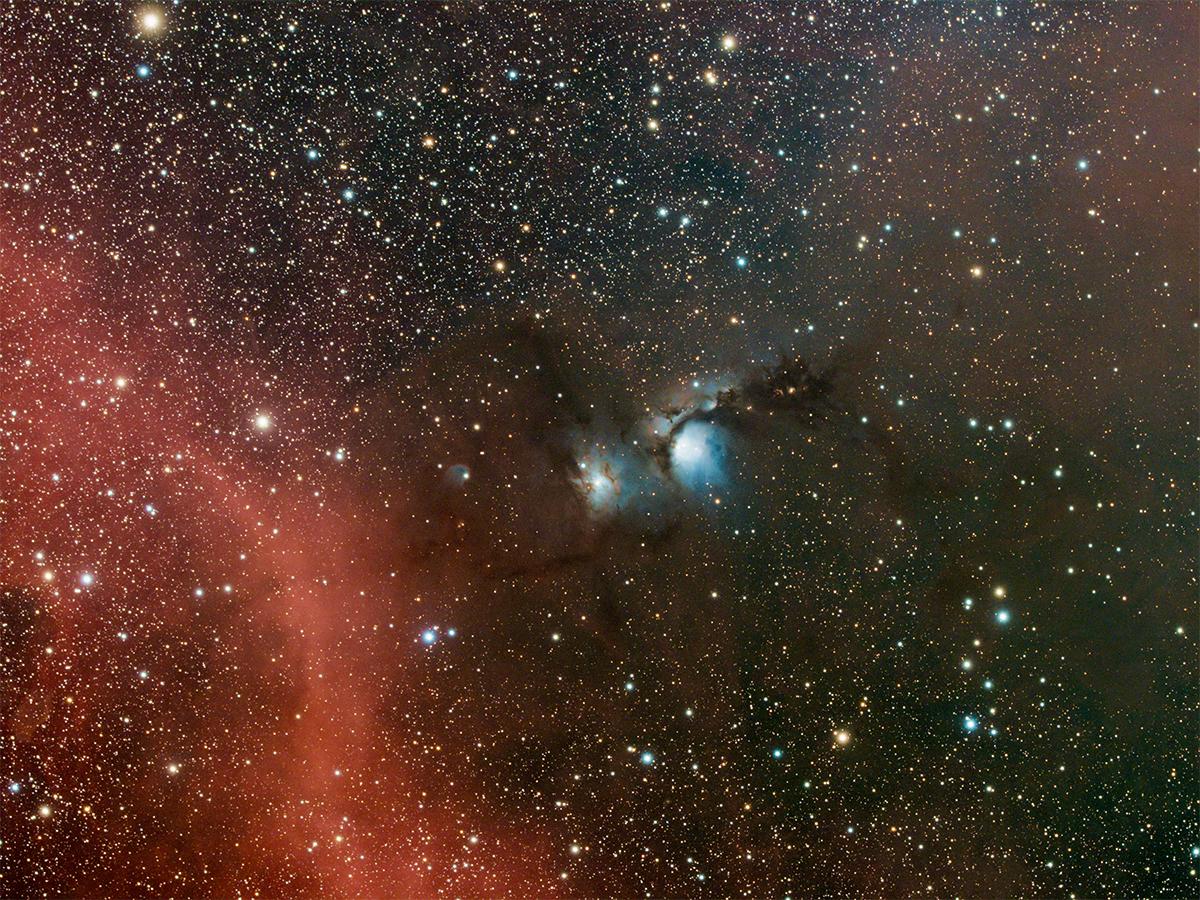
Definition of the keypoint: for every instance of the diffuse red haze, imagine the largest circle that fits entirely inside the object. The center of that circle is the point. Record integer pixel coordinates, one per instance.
(201, 650)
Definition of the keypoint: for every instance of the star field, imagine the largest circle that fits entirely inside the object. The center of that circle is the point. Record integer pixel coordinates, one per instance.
(598, 449)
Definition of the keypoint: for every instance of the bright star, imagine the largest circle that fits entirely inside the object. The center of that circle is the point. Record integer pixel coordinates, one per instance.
(151, 20)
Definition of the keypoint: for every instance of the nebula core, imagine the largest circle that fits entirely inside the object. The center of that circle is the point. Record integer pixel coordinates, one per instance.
(598, 449)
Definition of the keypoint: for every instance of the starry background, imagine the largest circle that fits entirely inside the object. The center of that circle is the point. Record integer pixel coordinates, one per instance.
(605, 449)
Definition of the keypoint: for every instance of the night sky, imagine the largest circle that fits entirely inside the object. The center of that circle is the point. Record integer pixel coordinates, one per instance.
(599, 450)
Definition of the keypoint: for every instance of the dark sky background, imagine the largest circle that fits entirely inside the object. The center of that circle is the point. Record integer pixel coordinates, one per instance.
(615, 449)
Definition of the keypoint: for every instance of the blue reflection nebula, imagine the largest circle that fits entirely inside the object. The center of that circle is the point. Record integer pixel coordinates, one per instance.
(698, 455)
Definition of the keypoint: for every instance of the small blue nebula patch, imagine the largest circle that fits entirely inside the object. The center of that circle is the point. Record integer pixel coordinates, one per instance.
(699, 454)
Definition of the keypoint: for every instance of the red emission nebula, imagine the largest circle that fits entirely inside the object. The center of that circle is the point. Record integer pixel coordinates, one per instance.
(242, 643)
